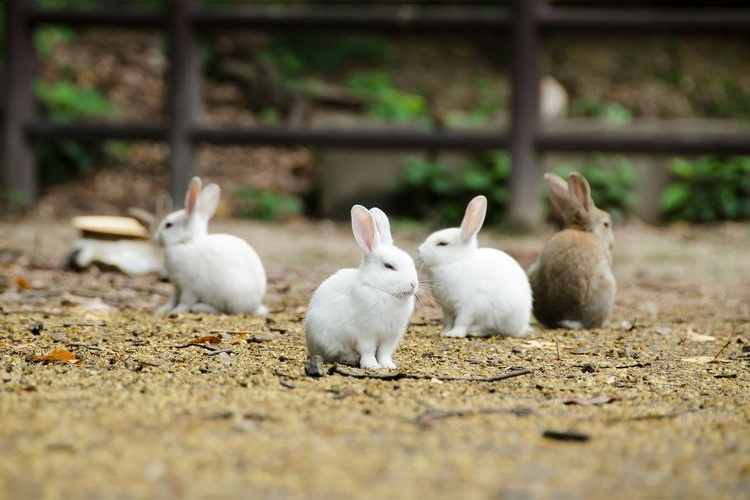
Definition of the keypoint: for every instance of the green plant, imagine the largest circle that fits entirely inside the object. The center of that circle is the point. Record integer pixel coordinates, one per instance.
(385, 101)
(708, 189)
(430, 191)
(63, 101)
(59, 161)
(267, 204)
(612, 183)
(305, 53)
(46, 38)
(610, 112)
(736, 102)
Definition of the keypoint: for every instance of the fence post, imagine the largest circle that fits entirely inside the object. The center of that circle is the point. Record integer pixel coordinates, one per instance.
(19, 169)
(525, 208)
(184, 94)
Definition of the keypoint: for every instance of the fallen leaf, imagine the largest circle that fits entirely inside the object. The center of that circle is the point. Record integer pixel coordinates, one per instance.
(88, 303)
(542, 344)
(702, 360)
(207, 339)
(591, 401)
(580, 349)
(24, 284)
(59, 356)
(697, 337)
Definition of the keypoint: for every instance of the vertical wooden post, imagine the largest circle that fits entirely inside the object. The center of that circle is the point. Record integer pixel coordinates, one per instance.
(19, 169)
(525, 207)
(184, 94)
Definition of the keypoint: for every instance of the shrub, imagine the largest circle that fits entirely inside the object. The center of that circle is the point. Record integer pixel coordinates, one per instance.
(267, 204)
(708, 189)
(428, 191)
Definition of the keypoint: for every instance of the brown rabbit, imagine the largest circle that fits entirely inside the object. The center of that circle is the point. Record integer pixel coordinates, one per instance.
(572, 280)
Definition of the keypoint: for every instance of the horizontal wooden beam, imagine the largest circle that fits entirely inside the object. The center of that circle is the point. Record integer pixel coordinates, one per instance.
(380, 138)
(43, 129)
(112, 18)
(438, 19)
(625, 141)
(639, 18)
(663, 142)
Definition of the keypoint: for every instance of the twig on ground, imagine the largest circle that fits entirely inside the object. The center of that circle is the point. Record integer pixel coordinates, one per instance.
(336, 369)
(635, 365)
(92, 347)
(194, 344)
(435, 414)
(214, 352)
(722, 349)
(566, 436)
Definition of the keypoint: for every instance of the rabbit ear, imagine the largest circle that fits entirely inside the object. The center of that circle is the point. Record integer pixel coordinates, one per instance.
(364, 229)
(580, 190)
(191, 196)
(558, 191)
(474, 217)
(209, 200)
(384, 227)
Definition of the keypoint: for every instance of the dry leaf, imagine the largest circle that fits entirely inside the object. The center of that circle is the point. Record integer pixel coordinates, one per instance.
(90, 304)
(541, 344)
(702, 360)
(592, 401)
(24, 284)
(59, 356)
(207, 339)
(697, 337)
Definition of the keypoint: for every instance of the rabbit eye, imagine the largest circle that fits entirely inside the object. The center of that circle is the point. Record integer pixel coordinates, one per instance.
(606, 223)
(442, 243)
(168, 225)
(389, 266)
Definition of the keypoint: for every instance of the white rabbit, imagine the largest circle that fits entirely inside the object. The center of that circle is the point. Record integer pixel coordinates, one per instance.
(358, 316)
(209, 272)
(482, 291)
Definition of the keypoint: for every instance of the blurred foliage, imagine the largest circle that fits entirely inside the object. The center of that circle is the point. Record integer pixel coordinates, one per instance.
(267, 204)
(612, 183)
(386, 102)
(708, 189)
(609, 112)
(85, 5)
(433, 193)
(309, 53)
(735, 103)
(46, 38)
(64, 101)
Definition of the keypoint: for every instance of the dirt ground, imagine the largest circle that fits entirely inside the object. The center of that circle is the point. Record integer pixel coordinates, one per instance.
(657, 405)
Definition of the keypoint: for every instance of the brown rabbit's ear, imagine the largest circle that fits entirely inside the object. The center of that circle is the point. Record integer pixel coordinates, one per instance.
(580, 190)
(191, 196)
(559, 193)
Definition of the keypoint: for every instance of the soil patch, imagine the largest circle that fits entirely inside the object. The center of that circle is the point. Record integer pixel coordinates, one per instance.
(656, 405)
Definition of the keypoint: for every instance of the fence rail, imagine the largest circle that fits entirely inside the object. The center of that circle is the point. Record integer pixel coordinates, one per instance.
(524, 23)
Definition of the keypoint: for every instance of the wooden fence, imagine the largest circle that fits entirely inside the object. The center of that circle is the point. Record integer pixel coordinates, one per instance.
(524, 23)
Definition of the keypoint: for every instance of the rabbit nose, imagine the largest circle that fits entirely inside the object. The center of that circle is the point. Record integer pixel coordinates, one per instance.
(413, 286)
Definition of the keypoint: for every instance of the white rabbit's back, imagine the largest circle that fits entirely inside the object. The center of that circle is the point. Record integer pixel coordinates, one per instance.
(490, 286)
(222, 270)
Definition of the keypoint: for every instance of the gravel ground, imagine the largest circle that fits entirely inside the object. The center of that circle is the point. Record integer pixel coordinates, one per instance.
(656, 405)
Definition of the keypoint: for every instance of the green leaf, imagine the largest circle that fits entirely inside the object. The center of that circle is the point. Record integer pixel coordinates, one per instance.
(674, 197)
(682, 169)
